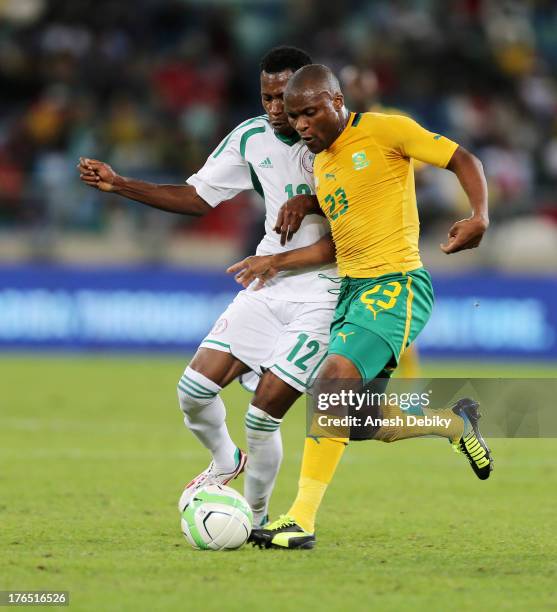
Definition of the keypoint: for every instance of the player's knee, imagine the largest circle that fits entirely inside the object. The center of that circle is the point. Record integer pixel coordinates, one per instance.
(369, 414)
(339, 367)
(195, 391)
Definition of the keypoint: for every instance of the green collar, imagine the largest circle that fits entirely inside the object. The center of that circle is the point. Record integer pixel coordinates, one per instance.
(289, 140)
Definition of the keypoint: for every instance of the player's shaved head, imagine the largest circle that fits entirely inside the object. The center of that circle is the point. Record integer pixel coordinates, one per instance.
(314, 79)
(315, 106)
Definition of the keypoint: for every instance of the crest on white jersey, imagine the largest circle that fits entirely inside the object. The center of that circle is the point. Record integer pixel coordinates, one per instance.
(307, 160)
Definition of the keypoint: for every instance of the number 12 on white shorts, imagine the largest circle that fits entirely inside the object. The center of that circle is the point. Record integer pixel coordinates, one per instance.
(288, 338)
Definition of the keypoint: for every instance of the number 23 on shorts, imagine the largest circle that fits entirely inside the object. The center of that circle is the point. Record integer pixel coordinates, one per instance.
(390, 291)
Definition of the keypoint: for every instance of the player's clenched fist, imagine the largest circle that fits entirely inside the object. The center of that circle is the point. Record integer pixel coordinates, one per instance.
(97, 174)
(465, 234)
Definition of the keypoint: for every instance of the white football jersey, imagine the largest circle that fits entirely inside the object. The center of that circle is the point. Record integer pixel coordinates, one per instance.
(252, 156)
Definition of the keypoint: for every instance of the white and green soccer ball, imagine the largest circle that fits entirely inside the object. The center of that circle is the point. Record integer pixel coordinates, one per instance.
(217, 518)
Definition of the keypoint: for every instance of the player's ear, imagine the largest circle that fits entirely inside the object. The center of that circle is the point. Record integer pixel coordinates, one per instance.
(338, 101)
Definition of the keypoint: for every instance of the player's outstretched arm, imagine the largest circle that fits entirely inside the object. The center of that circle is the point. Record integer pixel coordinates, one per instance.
(265, 267)
(292, 213)
(468, 233)
(182, 199)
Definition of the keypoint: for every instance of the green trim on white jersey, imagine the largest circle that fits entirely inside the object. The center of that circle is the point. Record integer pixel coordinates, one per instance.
(255, 181)
(242, 125)
(289, 140)
(246, 135)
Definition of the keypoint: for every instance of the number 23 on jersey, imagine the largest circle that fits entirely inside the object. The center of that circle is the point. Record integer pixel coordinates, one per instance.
(337, 203)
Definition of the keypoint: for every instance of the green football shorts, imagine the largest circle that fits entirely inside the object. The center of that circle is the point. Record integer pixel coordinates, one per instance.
(377, 318)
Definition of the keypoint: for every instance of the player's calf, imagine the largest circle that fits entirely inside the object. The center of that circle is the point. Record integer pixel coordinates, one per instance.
(204, 415)
(265, 456)
(273, 397)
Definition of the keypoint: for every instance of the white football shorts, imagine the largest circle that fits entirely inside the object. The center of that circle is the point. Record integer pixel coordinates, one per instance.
(288, 338)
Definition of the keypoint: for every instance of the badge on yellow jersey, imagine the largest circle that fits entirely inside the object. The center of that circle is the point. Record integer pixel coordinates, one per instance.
(360, 160)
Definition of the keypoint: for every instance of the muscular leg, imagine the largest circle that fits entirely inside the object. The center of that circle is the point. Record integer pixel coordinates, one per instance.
(204, 411)
(322, 455)
(273, 397)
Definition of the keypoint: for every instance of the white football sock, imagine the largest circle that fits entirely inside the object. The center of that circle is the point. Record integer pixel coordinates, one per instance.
(204, 415)
(264, 459)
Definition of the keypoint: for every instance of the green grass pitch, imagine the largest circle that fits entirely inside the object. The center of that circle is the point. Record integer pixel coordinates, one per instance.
(93, 456)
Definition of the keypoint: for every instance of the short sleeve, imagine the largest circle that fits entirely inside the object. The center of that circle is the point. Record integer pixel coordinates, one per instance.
(225, 173)
(416, 142)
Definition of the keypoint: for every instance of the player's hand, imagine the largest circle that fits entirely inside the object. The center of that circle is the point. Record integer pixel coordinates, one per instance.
(292, 213)
(258, 267)
(97, 174)
(465, 234)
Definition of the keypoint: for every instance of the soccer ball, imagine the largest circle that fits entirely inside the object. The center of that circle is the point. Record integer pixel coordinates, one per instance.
(217, 518)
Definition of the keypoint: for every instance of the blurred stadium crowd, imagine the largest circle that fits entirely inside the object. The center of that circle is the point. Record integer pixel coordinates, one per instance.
(152, 86)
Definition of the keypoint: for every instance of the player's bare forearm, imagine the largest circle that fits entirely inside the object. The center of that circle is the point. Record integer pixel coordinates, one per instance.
(316, 254)
(181, 199)
(265, 267)
(469, 171)
(468, 233)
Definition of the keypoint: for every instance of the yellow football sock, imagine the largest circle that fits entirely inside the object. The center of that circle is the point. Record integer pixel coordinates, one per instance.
(409, 363)
(452, 426)
(319, 463)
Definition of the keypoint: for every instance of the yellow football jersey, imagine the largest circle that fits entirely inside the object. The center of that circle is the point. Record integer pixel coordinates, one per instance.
(365, 186)
(391, 110)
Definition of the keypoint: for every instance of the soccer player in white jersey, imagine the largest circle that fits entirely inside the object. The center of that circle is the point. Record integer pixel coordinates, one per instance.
(279, 332)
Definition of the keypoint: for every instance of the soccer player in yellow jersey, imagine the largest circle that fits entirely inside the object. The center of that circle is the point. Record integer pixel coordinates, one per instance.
(365, 187)
(361, 89)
